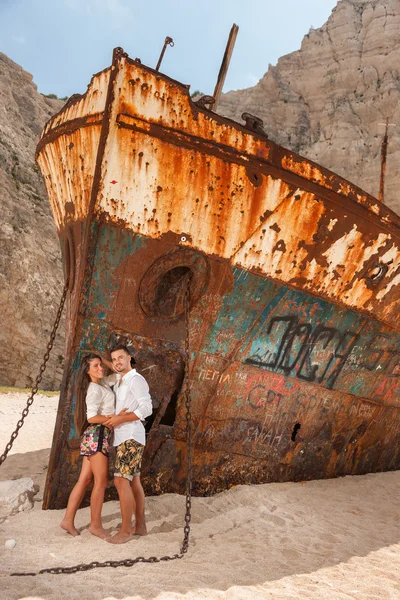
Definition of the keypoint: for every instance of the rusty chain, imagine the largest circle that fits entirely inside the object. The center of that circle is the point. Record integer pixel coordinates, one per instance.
(189, 446)
(129, 562)
(39, 377)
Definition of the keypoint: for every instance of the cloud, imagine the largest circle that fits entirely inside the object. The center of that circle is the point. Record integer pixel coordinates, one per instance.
(115, 11)
(20, 39)
(252, 79)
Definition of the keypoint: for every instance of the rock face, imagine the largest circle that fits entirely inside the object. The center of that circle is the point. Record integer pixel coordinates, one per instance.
(329, 100)
(30, 259)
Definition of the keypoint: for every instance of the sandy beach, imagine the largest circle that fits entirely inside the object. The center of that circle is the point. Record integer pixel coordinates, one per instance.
(332, 539)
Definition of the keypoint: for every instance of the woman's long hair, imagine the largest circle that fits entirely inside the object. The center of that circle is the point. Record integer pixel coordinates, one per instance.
(82, 384)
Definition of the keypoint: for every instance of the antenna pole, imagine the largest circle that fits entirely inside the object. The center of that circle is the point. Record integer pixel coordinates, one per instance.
(225, 65)
(383, 162)
(168, 42)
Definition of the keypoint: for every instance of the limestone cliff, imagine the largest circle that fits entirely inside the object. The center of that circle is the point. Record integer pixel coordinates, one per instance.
(30, 259)
(330, 99)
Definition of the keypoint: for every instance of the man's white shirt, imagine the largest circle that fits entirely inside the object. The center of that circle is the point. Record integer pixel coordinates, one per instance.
(132, 392)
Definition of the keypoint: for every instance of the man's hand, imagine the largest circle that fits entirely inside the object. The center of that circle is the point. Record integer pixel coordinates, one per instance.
(115, 420)
(106, 419)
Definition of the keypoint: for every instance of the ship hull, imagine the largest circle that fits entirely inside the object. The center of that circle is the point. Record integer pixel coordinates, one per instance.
(294, 273)
(285, 386)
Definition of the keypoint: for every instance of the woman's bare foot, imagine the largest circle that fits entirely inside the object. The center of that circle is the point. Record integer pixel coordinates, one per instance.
(139, 529)
(99, 532)
(120, 538)
(69, 528)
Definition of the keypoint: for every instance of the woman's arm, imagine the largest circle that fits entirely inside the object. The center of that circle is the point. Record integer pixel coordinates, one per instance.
(108, 363)
(93, 403)
(104, 359)
(99, 420)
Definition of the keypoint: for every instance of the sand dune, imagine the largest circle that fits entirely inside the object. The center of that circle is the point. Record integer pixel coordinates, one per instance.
(333, 539)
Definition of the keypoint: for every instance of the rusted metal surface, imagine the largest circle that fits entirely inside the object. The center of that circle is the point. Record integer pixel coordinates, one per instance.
(254, 123)
(294, 327)
(205, 102)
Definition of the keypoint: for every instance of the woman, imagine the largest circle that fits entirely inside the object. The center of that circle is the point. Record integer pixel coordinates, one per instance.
(95, 402)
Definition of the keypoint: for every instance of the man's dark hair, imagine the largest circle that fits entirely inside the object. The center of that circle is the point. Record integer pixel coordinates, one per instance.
(125, 349)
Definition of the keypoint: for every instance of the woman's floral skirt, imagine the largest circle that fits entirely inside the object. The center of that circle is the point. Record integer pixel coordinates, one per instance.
(96, 438)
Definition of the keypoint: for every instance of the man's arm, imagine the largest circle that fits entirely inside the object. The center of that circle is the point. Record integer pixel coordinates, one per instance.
(140, 391)
(122, 417)
(99, 420)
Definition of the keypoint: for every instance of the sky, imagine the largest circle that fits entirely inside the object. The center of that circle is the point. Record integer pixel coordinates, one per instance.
(63, 42)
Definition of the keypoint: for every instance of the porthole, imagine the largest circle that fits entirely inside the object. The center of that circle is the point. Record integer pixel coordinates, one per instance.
(163, 287)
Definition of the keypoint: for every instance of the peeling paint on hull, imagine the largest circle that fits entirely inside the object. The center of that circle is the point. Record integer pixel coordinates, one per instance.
(294, 325)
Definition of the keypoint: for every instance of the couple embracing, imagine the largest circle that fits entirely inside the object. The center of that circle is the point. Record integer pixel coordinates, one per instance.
(102, 414)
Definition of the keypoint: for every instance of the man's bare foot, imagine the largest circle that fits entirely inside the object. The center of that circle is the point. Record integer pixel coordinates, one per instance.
(139, 529)
(120, 538)
(99, 532)
(69, 528)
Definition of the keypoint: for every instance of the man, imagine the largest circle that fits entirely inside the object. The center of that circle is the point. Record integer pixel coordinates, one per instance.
(133, 405)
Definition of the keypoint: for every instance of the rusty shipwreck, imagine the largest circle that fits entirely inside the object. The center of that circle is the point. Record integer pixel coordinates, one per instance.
(294, 319)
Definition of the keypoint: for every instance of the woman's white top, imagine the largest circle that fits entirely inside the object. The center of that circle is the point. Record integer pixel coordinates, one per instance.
(100, 400)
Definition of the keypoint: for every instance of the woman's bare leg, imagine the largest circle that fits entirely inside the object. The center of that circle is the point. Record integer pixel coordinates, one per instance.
(99, 464)
(76, 496)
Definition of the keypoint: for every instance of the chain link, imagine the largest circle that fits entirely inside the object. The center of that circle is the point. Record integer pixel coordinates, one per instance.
(188, 516)
(129, 562)
(39, 377)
